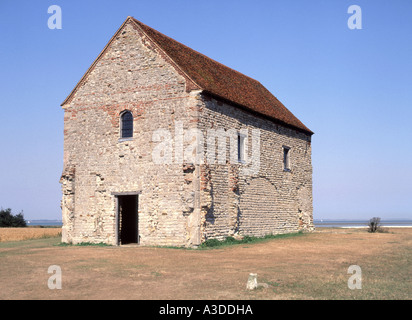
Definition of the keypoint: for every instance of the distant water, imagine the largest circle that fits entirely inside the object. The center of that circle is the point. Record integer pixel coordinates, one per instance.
(326, 223)
(44, 223)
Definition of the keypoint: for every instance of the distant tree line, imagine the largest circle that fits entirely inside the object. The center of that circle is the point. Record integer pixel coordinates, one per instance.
(7, 219)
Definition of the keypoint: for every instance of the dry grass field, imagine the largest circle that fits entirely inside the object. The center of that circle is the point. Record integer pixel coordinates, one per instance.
(18, 234)
(309, 266)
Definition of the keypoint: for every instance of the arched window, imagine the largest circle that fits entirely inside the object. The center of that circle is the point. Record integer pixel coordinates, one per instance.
(126, 125)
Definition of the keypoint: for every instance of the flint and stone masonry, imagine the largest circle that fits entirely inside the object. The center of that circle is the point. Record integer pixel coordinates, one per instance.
(112, 186)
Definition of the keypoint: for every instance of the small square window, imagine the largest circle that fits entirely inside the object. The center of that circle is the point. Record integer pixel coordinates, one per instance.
(286, 158)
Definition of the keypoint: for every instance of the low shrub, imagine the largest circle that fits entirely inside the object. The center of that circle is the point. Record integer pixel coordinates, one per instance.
(213, 243)
(374, 225)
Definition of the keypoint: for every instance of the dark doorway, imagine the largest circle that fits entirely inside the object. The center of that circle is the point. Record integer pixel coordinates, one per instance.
(128, 222)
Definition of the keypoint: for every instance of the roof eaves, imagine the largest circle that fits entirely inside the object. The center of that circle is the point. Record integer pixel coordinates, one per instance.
(259, 114)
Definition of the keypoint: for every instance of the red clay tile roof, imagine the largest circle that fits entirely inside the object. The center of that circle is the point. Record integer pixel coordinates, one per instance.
(214, 79)
(222, 81)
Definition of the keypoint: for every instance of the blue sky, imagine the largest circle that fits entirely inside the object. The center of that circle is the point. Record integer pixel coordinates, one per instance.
(353, 88)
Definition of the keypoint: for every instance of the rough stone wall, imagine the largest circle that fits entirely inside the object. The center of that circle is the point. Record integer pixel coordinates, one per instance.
(131, 75)
(265, 200)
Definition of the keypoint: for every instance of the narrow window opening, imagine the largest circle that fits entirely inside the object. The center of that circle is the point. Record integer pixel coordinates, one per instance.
(286, 158)
(126, 125)
(241, 148)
